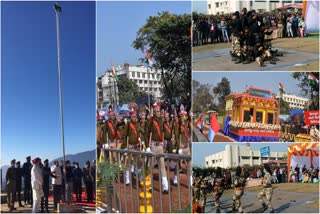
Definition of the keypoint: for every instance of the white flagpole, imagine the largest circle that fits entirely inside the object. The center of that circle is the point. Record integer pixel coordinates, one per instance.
(57, 10)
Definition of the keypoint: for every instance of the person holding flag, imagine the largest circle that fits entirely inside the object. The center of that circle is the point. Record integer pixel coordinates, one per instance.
(213, 128)
(199, 123)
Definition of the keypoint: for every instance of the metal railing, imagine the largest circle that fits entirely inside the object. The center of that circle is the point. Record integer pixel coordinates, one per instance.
(124, 200)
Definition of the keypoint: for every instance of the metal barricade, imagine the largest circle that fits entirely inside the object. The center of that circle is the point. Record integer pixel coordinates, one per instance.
(126, 197)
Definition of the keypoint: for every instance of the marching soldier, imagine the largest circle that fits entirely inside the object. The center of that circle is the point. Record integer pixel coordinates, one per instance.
(218, 188)
(265, 195)
(167, 133)
(204, 183)
(11, 178)
(196, 187)
(154, 129)
(238, 184)
(176, 123)
(19, 183)
(27, 166)
(110, 131)
(142, 128)
(132, 136)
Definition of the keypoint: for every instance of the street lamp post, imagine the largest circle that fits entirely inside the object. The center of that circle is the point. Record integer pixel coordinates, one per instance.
(57, 10)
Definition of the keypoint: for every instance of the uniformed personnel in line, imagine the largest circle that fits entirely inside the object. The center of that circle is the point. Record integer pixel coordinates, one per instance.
(239, 183)
(265, 196)
(11, 178)
(218, 188)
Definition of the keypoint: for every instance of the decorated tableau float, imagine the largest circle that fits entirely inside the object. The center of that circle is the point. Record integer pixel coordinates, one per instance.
(252, 116)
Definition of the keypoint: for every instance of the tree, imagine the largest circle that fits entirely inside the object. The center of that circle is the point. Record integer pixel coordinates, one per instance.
(167, 37)
(221, 90)
(202, 99)
(128, 90)
(284, 107)
(305, 87)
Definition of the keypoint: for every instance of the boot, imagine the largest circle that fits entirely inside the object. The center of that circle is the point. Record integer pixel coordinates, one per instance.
(233, 57)
(127, 178)
(246, 60)
(175, 181)
(259, 61)
(271, 210)
(218, 210)
(239, 60)
(165, 185)
(264, 206)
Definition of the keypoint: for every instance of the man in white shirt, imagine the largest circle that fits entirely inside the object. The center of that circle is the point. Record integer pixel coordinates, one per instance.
(56, 183)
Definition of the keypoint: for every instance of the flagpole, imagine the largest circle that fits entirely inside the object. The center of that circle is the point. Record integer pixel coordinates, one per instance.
(148, 88)
(57, 10)
(110, 86)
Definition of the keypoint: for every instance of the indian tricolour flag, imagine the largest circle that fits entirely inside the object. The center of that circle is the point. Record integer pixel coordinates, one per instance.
(114, 73)
(149, 58)
(213, 128)
(312, 79)
(199, 122)
(282, 89)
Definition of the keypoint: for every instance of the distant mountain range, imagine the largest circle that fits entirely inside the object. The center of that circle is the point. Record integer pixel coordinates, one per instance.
(81, 158)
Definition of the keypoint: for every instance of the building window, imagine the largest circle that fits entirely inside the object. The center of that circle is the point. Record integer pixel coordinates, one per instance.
(138, 74)
(245, 157)
(264, 158)
(207, 163)
(255, 158)
(259, 117)
(133, 74)
(246, 116)
(152, 76)
(148, 76)
(158, 76)
(145, 82)
(143, 75)
(213, 161)
(209, 6)
(217, 5)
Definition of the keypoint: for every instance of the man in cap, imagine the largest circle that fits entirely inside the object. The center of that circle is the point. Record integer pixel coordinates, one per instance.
(132, 137)
(265, 196)
(176, 128)
(19, 183)
(142, 129)
(239, 183)
(11, 178)
(154, 129)
(46, 173)
(27, 166)
(56, 183)
(168, 134)
(110, 131)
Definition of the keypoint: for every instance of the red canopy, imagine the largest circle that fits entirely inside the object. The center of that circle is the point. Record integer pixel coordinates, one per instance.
(299, 6)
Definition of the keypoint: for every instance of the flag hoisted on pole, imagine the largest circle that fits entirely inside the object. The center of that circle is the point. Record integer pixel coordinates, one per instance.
(282, 89)
(199, 122)
(57, 10)
(149, 58)
(115, 77)
(312, 79)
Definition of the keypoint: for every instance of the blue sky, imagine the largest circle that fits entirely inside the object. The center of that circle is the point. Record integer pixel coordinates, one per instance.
(266, 80)
(199, 6)
(124, 19)
(29, 87)
(201, 150)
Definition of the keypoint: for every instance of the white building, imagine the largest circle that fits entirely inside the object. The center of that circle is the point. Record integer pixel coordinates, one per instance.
(294, 101)
(235, 155)
(218, 7)
(148, 80)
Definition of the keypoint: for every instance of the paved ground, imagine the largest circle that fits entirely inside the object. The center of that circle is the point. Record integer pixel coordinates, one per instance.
(283, 201)
(299, 55)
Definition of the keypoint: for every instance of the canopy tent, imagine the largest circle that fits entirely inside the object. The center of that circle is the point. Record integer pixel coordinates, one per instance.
(303, 154)
(289, 6)
(310, 12)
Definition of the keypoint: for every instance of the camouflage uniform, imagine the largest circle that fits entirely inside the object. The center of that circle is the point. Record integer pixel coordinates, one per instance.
(266, 192)
(239, 183)
(203, 190)
(196, 188)
(235, 45)
(218, 188)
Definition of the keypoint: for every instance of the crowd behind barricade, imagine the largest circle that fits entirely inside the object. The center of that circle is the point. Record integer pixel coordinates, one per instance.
(37, 176)
(303, 174)
(160, 128)
(249, 32)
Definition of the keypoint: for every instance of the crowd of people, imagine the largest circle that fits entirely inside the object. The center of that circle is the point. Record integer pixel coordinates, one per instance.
(66, 181)
(157, 129)
(218, 181)
(304, 174)
(249, 32)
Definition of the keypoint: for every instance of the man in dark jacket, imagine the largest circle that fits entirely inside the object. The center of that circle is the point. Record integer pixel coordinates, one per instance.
(27, 166)
(11, 179)
(77, 181)
(46, 173)
(19, 183)
(235, 37)
(69, 181)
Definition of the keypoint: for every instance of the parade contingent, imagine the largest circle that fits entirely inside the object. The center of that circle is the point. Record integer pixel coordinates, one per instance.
(37, 177)
(155, 130)
(215, 183)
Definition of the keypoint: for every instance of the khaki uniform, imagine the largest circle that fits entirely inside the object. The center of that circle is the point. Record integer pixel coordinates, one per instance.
(176, 133)
(168, 134)
(265, 195)
(11, 178)
(142, 131)
(185, 144)
(110, 134)
(218, 188)
(100, 127)
(239, 184)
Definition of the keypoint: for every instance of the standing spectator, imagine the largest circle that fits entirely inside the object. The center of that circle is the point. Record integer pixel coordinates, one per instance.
(56, 183)
(88, 181)
(69, 181)
(295, 29)
(63, 186)
(19, 183)
(11, 178)
(77, 181)
(302, 27)
(289, 29)
(280, 29)
(224, 30)
(46, 173)
(36, 182)
(93, 174)
(27, 181)
(312, 173)
(296, 173)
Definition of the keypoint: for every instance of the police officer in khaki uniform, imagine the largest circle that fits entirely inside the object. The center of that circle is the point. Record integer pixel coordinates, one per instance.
(168, 134)
(176, 123)
(11, 178)
(154, 129)
(110, 131)
(239, 183)
(265, 195)
(218, 188)
(132, 136)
